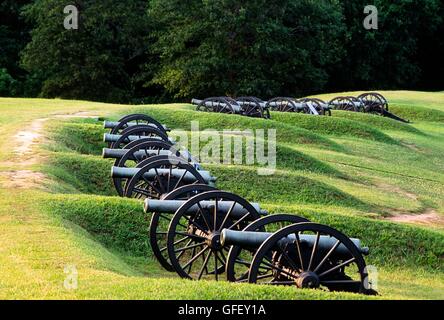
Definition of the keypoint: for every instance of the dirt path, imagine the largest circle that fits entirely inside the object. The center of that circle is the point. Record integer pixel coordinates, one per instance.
(429, 217)
(25, 154)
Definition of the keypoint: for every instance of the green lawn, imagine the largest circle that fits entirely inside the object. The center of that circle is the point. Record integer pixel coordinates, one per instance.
(351, 171)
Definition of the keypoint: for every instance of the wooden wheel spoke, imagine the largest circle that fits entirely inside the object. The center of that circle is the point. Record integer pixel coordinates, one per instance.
(289, 260)
(337, 267)
(298, 247)
(239, 221)
(204, 265)
(315, 246)
(327, 256)
(216, 209)
(183, 252)
(169, 178)
(180, 180)
(194, 236)
(226, 216)
(278, 269)
(188, 247)
(158, 178)
(178, 242)
(201, 211)
(195, 257)
(195, 224)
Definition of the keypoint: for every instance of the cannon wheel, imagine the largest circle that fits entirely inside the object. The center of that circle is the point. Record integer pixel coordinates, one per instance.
(193, 240)
(136, 119)
(140, 187)
(142, 131)
(218, 105)
(374, 103)
(279, 262)
(254, 108)
(160, 222)
(318, 104)
(282, 104)
(144, 144)
(358, 103)
(343, 103)
(239, 259)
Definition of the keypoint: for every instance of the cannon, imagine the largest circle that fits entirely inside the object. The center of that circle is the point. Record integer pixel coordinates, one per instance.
(254, 107)
(370, 102)
(309, 255)
(347, 104)
(133, 120)
(160, 220)
(319, 105)
(157, 176)
(247, 106)
(130, 134)
(307, 106)
(194, 232)
(376, 103)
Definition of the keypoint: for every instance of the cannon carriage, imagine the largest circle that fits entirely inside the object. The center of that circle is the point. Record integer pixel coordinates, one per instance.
(201, 232)
(246, 106)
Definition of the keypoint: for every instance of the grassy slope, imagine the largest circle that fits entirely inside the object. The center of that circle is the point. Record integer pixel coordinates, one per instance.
(355, 169)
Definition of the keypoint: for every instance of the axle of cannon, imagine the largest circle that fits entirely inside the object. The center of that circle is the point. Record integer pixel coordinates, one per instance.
(251, 239)
(223, 207)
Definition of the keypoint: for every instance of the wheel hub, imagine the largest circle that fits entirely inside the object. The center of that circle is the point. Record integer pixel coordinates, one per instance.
(308, 279)
(213, 241)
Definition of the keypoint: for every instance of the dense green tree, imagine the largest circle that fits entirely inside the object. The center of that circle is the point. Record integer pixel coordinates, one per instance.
(387, 57)
(257, 47)
(98, 60)
(14, 35)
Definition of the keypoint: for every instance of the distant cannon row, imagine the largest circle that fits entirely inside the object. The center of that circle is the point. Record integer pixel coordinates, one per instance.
(201, 232)
(370, 102)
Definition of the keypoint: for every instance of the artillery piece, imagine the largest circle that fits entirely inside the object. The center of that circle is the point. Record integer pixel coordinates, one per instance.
(133, 133)
(133, 120)
(307, 105)
(157, 176)
(370, 102)
(246, 106)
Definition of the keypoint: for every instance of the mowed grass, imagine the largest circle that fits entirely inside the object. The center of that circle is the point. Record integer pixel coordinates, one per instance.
(350, 171)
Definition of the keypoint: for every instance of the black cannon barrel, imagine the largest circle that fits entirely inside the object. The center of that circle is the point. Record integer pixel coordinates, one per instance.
(112, 124)
(109, 138)
(251, 239)
(128, 173)
(171, 206)
(109, 153)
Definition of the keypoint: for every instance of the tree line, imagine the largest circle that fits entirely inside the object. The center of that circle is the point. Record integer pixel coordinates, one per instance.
(171, 50)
